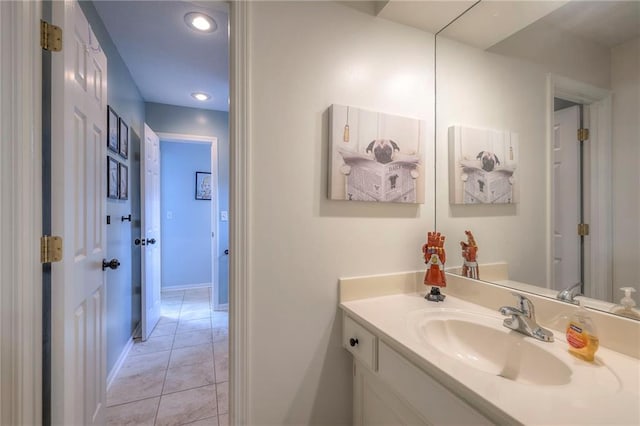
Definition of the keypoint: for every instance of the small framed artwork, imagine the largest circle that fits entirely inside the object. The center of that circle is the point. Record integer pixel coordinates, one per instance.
(112, 178)
(123, 139)
(123, 188)
(112, 125)
(203, 186)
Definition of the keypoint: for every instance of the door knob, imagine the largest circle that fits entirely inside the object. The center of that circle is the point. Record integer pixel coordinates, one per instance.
(113, 264)
(151, 241)
(139, 242)
(353, 342)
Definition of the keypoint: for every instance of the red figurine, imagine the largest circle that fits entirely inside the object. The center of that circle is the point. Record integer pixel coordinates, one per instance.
(435, 257)
(470, 254)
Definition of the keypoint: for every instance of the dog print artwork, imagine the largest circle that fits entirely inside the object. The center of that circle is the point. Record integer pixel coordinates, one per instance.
(375, 156)
(483, 166)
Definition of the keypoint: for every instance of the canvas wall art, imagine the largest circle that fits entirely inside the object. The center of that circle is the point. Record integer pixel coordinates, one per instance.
(375, 156)
(483, 166)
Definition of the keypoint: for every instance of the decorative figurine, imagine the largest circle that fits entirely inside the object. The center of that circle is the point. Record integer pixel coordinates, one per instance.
(434, 257)
(470, 254)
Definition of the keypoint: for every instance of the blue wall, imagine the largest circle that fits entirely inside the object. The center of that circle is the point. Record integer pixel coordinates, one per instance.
(123, 284)
(186, 222)
(173, 119)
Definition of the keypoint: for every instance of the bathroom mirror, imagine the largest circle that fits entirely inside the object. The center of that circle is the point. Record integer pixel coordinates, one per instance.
(514, 83)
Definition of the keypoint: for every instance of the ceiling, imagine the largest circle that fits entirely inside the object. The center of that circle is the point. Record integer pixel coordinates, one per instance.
(168, 60)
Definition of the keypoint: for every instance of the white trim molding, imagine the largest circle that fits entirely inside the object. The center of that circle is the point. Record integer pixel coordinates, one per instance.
(240, 215)
(20, 213)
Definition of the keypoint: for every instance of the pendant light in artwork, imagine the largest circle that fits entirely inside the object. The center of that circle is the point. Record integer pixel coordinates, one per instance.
(345, 135)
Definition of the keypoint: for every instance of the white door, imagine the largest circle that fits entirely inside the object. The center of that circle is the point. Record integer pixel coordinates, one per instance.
(150, 186)
(79, 137)
(566, 198)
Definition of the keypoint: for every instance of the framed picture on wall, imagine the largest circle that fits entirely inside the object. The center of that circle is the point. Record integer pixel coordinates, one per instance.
(203, 186)
(112, 178)
(112, 126)
(123, 138)
(123, 188)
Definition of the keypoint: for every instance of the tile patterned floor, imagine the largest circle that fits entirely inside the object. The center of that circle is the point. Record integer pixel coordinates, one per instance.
(179, 375)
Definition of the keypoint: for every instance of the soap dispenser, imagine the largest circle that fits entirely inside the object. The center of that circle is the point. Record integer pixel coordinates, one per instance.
(625, 308)
(581, 335)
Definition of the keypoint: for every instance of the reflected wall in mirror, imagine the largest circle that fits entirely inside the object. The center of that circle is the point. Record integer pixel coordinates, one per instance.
(543, 70)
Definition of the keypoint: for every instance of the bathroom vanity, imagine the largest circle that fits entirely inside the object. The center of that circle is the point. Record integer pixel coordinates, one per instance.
(419, 362)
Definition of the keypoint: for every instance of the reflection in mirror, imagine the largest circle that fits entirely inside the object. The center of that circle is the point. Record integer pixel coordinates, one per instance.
(565, 209)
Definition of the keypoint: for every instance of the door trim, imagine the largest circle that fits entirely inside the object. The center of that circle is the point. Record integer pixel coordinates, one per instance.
(215, 216)
(598, 214)
(240, 235)
(20, 214)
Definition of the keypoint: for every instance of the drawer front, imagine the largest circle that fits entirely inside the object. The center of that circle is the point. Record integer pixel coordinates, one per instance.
(360, 342)
(432, 400)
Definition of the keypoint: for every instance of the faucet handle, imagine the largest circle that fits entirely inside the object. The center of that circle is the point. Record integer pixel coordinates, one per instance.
(525, 305)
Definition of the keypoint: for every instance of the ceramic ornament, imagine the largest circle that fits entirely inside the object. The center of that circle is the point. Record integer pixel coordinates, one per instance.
(434, 257)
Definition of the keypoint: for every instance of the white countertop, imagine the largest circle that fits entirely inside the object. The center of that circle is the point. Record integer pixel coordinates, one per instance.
(606, 392)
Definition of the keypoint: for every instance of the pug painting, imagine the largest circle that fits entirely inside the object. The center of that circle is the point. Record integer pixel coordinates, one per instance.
(383, 150)
(489, 160)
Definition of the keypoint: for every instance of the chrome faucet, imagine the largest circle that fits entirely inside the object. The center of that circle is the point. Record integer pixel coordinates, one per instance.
(568, 294)
(523, 320)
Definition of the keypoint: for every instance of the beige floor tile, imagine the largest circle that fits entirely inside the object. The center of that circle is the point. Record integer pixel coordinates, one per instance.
(134, 413)
(222, 391)
(135, 387)
(187, 406)
(223, 420)
(153, 344)
(140, 364)
(192, 315)
(222, 369)
(193, 338)
(221, 348)
(210, 421)
(193, 325)
(220, 334)
(189, 377)
(167, 320)
(191, 355)
(164, 329)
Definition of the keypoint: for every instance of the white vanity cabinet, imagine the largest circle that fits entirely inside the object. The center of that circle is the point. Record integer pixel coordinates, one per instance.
(390, 390)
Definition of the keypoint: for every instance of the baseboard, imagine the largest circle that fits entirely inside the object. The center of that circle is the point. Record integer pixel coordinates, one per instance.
(186, 287)
(123, 356)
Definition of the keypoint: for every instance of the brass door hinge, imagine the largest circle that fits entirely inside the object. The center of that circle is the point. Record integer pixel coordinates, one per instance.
(50, 36)
(50, 249)
(583, 229)
(583, 134)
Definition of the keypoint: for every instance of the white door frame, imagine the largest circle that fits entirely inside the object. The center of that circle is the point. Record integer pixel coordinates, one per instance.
(240, 398)
(20, 213)
(598, 163)
(212, 141)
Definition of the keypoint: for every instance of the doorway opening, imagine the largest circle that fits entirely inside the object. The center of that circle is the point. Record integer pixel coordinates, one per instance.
(580, 187)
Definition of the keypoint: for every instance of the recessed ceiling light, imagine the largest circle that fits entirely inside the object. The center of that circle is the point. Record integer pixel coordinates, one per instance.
(200, 22)
(201, 96)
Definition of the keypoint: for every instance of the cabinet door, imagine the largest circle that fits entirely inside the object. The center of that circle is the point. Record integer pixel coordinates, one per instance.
(376, 405)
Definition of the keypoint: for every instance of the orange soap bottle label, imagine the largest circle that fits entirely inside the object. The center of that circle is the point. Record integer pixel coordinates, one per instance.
(576, 337)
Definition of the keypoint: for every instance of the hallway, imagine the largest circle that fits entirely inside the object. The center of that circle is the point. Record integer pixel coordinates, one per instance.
(180, 374)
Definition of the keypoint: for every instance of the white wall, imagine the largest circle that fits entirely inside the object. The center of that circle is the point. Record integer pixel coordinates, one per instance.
(625, 83)
(489, 91)
(305, 57)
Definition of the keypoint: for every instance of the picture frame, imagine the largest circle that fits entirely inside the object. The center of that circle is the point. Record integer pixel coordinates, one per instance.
(203, 186)
(376, 157)
(112, 178)
(112, 129)
(123, 186)
(123, 139)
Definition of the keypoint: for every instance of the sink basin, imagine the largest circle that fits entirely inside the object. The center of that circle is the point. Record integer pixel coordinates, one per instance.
(481, 342)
